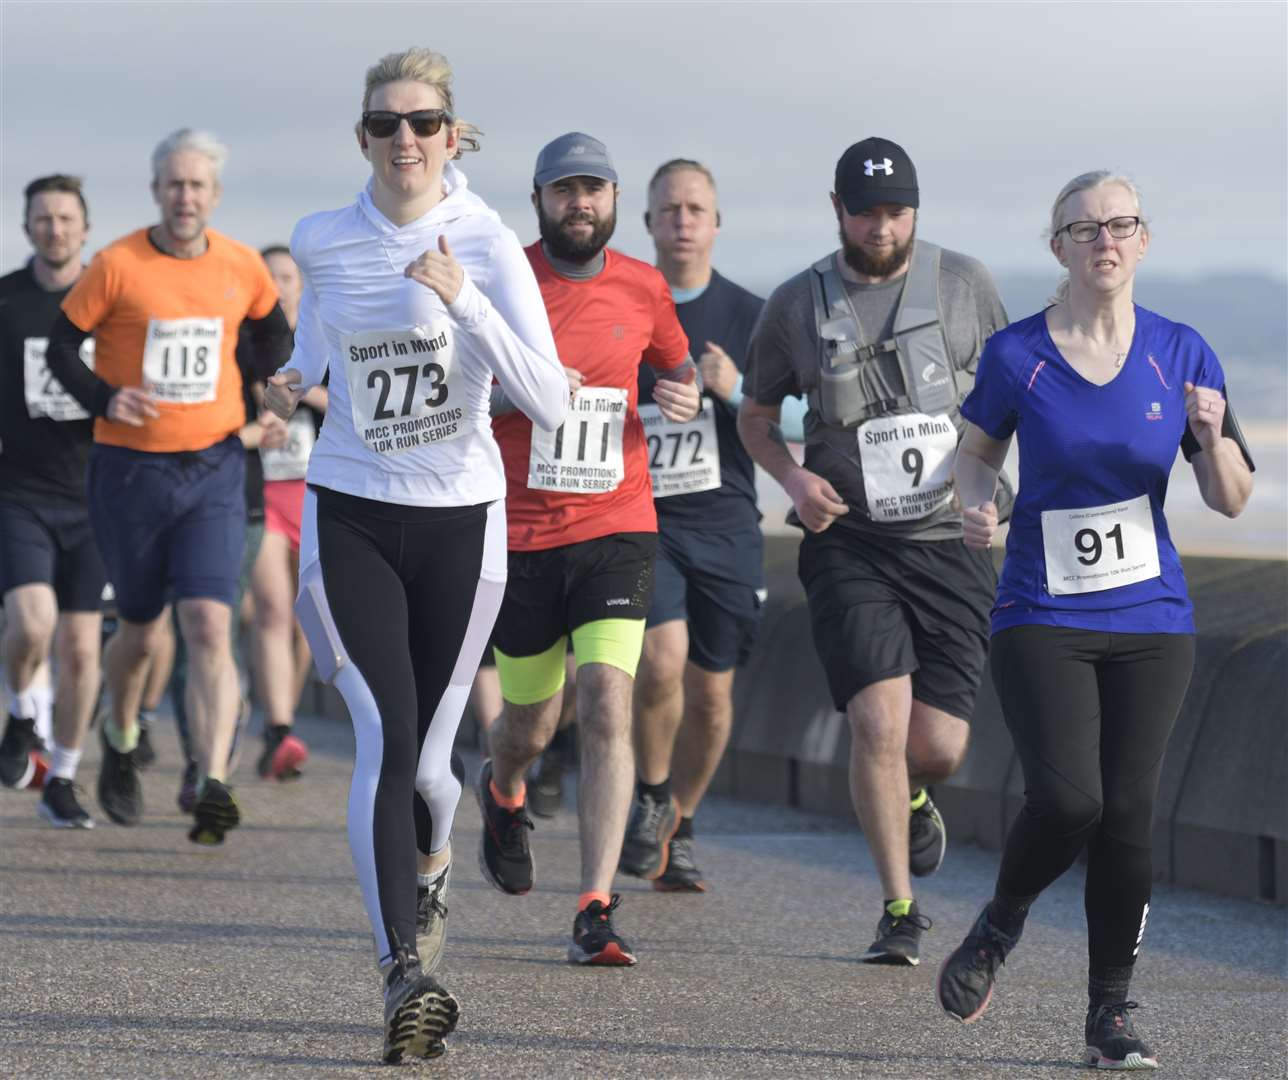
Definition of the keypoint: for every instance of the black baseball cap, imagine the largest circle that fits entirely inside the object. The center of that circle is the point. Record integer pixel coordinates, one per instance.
(873, 172)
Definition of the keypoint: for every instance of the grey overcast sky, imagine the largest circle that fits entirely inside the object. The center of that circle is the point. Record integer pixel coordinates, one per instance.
(997, 103)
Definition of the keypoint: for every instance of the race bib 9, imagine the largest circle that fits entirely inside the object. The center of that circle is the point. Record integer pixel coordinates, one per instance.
(585, 453)
(291, 460)
(682, 457)
(907, 465)
(405, 388)
(181, 359)
(45, 395)
(1099, 547)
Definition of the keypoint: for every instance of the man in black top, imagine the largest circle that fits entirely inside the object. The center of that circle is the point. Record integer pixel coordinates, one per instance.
(708, 575)
(50, 572)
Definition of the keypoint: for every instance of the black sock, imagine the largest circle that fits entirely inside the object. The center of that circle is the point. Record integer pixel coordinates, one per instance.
(685, 831)
(657, 792)
(1107, 985)
(279, 731)
(1007, 913)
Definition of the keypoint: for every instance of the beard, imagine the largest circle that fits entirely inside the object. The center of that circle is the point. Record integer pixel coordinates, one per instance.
(863, 262)
(563, 245)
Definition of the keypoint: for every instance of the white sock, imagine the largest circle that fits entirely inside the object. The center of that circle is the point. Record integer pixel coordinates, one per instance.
(65, 762)
(425, 881)
(22, 703)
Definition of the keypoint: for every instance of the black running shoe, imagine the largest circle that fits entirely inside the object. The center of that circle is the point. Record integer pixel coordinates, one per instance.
(545, 785)
(966, 977)
(645, 849)
(119, 792)
(431, 921)
(419, 1013)
(898, 939)
(682, 873)
(927, 840)
(145, 753)
(1112, 1042)
(504, 855)
(283, 754)
(216, 812)
(60, 807)
(16, 762)
(594, 941)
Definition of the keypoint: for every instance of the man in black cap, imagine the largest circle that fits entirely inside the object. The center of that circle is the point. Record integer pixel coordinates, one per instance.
(882, 336)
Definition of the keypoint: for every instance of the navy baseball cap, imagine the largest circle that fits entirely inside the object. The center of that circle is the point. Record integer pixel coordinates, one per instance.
(873, 172)
(574, 154)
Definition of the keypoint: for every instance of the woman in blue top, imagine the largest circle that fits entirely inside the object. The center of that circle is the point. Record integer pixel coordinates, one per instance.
(1093, 630)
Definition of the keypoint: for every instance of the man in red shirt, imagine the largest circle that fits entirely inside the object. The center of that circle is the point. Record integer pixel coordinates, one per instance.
(582, 533)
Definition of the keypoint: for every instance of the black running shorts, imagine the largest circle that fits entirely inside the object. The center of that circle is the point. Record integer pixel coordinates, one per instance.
(51, 545)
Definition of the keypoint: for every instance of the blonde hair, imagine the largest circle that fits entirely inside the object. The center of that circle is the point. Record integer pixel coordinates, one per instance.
(430, 68)
(1084, 182)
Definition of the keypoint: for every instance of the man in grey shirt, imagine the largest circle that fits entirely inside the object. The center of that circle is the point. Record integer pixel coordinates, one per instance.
(883, 336)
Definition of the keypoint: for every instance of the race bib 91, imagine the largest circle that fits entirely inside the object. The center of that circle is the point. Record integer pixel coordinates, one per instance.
(1099, 547)
(907, 465)
(682, 457)
(45, 395)
(291, 460)
(181, 359)
(585, 453)
(405, 388)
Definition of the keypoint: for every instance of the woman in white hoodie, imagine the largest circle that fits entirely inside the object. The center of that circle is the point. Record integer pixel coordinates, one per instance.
(416, 297)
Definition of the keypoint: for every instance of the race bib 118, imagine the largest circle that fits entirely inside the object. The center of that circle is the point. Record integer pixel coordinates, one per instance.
(682, 457)
(584, 454)
(181, 359)
(405, 388)
(1099, 547)
(907, 465)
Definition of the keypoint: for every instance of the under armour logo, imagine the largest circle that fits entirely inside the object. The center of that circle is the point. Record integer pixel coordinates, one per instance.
(886, 166)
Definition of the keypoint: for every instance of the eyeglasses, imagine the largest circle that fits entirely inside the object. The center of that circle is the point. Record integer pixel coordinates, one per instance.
(424, 122)
(1083, 232)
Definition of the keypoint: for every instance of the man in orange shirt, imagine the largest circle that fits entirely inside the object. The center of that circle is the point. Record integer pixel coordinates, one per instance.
(166, 475)
(582, 533)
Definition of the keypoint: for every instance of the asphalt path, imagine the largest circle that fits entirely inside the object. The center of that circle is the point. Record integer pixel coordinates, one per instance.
(134, 953)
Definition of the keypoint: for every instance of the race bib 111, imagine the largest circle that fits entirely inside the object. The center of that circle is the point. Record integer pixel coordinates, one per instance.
(1099, 547)
(682, 457)
(45, 395)
(907, 465)
(584, 454)
(405, 388)
(181, 359)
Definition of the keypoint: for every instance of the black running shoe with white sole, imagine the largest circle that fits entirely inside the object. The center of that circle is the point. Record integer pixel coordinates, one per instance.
(419, 1013)
(504, 855)
(431, 921)
(217, 814)
(927, 839)
(60, 807)
(1112, 1042)
(594, 941)
(682, 873)
(965, 984)
(898, 939)
(646, 847)
(119, 792)
(16, 763)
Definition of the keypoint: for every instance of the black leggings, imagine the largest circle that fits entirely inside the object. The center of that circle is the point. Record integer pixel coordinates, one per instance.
(411, 593)
(1090, 713)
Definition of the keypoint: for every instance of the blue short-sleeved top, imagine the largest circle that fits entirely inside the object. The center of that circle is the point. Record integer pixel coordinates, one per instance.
(1094, 466)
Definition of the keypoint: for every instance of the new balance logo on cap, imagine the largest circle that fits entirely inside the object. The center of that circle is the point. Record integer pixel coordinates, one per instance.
(886, 166)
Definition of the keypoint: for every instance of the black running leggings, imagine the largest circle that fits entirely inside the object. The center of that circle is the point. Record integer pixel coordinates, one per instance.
(412, 593)
(1090, 713)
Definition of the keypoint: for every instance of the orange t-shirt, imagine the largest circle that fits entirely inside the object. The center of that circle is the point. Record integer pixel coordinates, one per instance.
(604, 327)
(171, 325)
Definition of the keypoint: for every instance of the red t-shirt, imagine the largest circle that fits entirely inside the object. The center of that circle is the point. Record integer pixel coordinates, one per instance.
(603, 327)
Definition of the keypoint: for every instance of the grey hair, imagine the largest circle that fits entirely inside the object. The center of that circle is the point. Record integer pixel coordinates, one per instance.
(191, 139)
(1085, 182)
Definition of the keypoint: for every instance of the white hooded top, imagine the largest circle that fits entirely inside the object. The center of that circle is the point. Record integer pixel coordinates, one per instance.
(411, 378)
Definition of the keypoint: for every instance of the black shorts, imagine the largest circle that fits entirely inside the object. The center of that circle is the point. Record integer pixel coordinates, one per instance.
(884, 608)
(551, 593)
(52, 545)
(712, 579)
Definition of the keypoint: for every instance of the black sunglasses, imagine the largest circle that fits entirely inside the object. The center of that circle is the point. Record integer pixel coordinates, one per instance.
(424, 122)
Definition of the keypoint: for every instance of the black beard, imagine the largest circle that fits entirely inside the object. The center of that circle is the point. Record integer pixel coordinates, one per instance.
(562, 245)
(858, 260)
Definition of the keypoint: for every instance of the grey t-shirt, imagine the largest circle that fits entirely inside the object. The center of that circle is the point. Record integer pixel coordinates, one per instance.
(783, 360)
